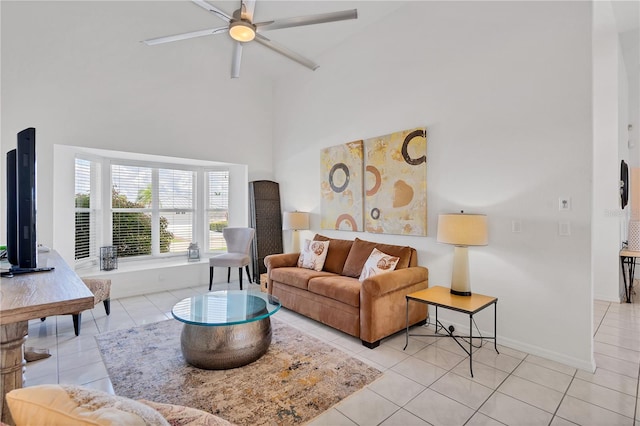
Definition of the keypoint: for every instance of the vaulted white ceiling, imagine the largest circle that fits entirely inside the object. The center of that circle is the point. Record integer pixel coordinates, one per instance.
(160, 18)
(116, 28)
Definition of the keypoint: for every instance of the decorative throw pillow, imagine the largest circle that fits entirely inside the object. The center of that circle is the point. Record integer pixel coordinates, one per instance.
(313, 255)
(178, 415)
(336, 254)
(77, 406)
(378, 263)
(361, 250)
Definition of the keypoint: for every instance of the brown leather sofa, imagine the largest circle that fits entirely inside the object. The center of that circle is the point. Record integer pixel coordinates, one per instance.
(370, 310)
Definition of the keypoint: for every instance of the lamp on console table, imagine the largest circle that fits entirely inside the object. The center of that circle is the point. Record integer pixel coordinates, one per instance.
(295, 221)
(462, 230)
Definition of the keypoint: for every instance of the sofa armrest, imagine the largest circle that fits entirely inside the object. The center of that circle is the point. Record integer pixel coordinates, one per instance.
(383, 304)
(274, 261)
(388, 282)
(281, 260)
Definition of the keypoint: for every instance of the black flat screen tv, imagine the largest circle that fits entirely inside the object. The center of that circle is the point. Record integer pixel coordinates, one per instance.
(12, 209)
(22, 250)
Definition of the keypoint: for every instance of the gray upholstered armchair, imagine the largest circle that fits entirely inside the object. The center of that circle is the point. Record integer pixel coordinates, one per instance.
(237, 255)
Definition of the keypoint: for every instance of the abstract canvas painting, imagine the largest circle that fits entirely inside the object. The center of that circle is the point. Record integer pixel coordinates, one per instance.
(395, 182)
(341, 201)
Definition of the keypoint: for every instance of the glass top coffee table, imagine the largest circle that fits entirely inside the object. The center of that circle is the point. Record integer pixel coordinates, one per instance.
(225, 329)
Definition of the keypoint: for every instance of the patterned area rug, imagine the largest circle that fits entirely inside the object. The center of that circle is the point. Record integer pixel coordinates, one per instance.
(296, 380)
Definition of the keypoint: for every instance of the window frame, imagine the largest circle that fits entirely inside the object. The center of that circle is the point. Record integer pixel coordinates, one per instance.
(199, 210)
(94, 209)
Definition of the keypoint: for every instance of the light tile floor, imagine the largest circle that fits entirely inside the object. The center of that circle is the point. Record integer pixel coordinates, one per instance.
(428, 384)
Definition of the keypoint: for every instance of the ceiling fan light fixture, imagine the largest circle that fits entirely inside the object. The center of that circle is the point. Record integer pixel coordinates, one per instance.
(242, 31)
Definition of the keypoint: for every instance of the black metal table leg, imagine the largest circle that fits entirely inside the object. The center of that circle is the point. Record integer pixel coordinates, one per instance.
(495, 327)
(406, 342)
(632, 273)
(471, 344)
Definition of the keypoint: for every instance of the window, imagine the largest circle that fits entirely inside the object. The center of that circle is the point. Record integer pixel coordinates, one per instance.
(85, 212)
(156, 209)
(175, 193)
(217, 207)
(131, 202)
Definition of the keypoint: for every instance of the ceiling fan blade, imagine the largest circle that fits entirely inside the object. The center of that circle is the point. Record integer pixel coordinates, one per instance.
(211, 8)
(236, 60)
(308, 20)
(286, 52)
(193, 34)
(248, 7)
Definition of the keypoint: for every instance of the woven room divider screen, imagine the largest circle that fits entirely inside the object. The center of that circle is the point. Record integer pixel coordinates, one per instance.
(266, 218)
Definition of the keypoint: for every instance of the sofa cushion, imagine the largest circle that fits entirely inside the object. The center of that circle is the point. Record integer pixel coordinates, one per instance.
(313, 255)
(378, 263)
(296, 277)
(337, 254)
(76, 406)
(361, 250)
(337, 287)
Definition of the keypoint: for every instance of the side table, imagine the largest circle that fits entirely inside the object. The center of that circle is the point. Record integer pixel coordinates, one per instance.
(441, 297)
(628, 257)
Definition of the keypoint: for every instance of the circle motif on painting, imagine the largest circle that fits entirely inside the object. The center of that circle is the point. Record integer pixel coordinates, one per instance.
(346, 218)
(376, 174)
(405, 148)
(345, 169)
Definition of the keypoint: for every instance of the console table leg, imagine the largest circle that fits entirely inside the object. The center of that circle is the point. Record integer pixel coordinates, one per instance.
(632, 272)
(12, 363)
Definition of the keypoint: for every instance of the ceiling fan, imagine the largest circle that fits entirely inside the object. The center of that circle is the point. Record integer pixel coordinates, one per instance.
(242, 29)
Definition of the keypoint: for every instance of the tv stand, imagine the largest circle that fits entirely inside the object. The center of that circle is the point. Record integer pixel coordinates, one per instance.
(33, 296)
(17, 271)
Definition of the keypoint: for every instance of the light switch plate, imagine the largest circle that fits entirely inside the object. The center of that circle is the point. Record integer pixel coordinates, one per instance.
(564, 228)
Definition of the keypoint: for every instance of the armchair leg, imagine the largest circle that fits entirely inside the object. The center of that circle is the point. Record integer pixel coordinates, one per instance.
(76, 323)
(107, 306)
(210, 277)
(240, 273)
(228, 275)
(248, 274)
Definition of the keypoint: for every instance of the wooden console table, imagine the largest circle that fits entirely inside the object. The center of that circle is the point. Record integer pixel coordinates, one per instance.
(30, 296)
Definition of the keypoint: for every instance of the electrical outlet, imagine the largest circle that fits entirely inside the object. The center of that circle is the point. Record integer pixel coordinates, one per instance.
(516, 226)
(564, 203)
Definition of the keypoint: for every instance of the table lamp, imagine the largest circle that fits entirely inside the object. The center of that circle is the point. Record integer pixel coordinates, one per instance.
(462, 230)
(295, 221)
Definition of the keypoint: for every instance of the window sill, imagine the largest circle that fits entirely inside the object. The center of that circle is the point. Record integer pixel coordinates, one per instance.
(140, 265)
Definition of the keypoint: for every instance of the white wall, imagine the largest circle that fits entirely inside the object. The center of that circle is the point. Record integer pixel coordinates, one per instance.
(631, 55)
(504, 89)
(608, 220)
(103, 91)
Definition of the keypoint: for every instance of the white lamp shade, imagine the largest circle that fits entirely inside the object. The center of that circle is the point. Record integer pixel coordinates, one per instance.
(296, 221)
(463, 229)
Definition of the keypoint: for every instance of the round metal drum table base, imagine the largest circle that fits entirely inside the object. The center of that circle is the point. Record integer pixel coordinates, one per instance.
(225, 346)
